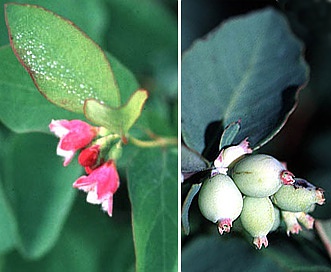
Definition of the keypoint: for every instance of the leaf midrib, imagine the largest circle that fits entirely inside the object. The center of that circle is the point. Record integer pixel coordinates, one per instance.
(245, 78)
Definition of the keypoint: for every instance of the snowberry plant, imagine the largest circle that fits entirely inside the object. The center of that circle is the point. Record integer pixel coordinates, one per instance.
(94, 103)
(239, 86)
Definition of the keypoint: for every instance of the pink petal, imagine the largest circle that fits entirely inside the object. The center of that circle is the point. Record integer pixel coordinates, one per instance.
(101, 184)
(80, 135)
(92, 198)
(229, 155)
(107, 205)
(84, 183)
(67, 154)
(109, 184)
(59, 127)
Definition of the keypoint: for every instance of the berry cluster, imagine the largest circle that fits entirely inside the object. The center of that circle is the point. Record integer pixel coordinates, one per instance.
(260, 191)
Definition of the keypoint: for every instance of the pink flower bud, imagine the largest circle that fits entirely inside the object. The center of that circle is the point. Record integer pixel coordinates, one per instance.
(100, 185)
(89, 156)
(74, 135)
(229, 155)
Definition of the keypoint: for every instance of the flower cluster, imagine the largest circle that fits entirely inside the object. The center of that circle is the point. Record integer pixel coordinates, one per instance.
(260, 191)
(102, 179)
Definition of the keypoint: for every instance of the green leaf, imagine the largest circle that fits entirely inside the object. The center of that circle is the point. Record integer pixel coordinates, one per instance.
(229, 134)
(66, 66)
(86, 230)
(323, 228)
(186, 206)
(117, 120)
(235, 254)
(250, 68)
(191, 161)
(24, 109)
(298, 254)
(8, 227)
(152, 183)
(125, 79)
(88, 15)
(223, 254)
(153, 38)
(39, 190)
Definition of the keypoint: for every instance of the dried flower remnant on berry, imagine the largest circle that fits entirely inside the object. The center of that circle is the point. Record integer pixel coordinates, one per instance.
(258, 218)
(220, 201)
(258, 175)
(287, 177)
(301, 196)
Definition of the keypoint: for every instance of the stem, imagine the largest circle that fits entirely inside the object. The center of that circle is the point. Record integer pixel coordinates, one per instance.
(155, 143)
(324, 237)
(107, 139)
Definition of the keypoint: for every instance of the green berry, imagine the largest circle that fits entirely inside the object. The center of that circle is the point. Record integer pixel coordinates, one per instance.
(291, 222)
(258, 175)
(277, 219)
(299, 197)
(305, 219)
(220, 201)
(257, 218)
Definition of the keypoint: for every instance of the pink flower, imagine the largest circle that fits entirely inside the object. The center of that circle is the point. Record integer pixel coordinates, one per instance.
(229, 155)
(74, 135)
(100, 185)
(89, 156)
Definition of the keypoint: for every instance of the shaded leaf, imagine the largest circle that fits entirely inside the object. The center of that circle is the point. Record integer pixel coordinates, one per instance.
(66, 66)
(323, 228)
(8, 227)
(235, 254)
(85, 230)
(229, 134)
(116, 120)
(186, 206)
(39, 190)
(250, 68)
(219, 253)
(152, 183)
(148, 43)
(191, 161)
